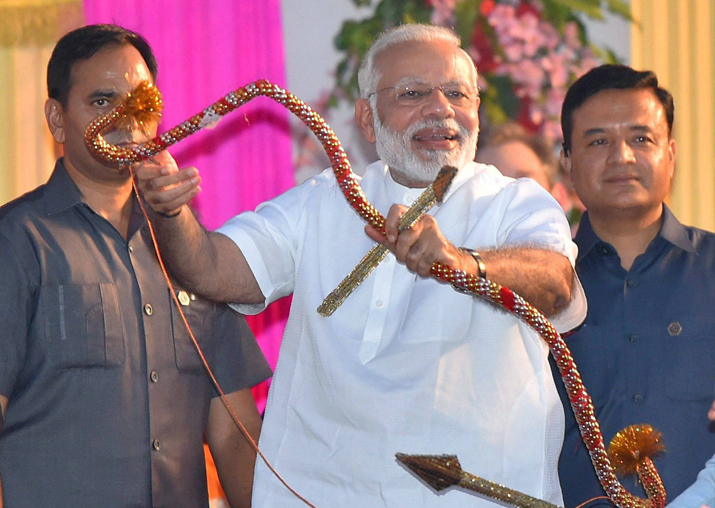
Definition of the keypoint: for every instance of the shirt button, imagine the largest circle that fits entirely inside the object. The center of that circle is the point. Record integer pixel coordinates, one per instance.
(638, 397)
(184, 298)
(148, 310)
(630, 283)
(156, 445)
(378, 303)
(604, 249)
(131, 249)
(633, 337)
(674, 329)
(154, 376)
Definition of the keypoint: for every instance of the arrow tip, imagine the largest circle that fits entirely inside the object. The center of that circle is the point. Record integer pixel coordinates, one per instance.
(439, 471)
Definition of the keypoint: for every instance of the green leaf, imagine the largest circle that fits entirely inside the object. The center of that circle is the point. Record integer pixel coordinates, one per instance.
(466, 13)
(621, 8)
(591, 8)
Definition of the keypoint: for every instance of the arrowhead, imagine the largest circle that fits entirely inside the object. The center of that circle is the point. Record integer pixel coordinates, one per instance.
(441, 184)
(439, 471)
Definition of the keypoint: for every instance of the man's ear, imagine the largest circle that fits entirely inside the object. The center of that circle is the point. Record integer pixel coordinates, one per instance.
(672, 151)
(54, 114)
(565, 161)
(364, 119)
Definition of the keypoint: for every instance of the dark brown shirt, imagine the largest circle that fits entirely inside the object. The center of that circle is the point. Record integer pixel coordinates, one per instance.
(108, 399)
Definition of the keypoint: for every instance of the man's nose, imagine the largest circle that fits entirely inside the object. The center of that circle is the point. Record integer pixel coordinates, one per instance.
(437, 104)
(622, 152)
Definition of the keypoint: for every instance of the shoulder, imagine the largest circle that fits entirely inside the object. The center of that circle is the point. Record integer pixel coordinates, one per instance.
(26, 207)
(703, 241)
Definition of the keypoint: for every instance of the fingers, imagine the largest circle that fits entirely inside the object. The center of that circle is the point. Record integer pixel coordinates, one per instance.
(166, 187)
(169, 199)
(418, 247)
(392, 222)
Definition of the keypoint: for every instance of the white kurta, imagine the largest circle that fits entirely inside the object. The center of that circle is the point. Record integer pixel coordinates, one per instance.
(406, 364)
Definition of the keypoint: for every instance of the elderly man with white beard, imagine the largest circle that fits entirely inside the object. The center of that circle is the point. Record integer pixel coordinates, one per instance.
(406, 364)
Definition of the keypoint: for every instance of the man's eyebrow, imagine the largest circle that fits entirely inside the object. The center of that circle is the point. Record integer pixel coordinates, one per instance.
(595, 130)
(102, 94)
(640, 128)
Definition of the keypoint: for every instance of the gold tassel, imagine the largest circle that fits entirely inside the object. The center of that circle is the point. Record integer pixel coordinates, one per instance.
(631, 446)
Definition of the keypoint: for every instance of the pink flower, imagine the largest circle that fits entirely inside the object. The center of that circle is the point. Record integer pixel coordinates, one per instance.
(443, 13)
(571, 35)
(554, 100)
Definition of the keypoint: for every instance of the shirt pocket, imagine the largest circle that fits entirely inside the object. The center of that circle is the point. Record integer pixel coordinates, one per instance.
(688, 369)
(436, 313)
(83, 326)
(201, 316)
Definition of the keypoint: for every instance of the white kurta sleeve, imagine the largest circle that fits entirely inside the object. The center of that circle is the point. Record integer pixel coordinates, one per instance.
(532, 217)
(269, 240)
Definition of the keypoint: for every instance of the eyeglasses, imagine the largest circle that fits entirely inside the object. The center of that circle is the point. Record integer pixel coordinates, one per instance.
(413, 95)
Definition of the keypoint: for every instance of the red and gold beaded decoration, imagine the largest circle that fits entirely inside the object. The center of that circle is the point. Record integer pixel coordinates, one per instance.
(144, 94)
(580, 400)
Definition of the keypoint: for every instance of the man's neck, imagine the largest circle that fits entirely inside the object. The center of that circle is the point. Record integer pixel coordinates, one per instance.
(110, 199)
(629, 233)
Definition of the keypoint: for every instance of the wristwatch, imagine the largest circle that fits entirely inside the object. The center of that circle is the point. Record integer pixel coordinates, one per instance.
(481, 267)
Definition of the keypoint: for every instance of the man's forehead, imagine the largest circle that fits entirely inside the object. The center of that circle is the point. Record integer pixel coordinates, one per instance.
(110, 66)
(635, 108)
(403, 56)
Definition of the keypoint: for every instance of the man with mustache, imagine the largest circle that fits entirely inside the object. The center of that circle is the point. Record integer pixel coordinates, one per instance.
(406, 364)
(105, 400)
(646, 352)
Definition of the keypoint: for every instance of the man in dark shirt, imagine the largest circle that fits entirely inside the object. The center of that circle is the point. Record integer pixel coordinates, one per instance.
(105, 400)
(647, 349)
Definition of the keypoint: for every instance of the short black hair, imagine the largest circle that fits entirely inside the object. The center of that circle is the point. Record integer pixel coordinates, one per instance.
(82, 44)
(609, 77)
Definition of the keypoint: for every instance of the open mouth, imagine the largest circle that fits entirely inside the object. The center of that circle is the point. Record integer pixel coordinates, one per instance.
(435, 135)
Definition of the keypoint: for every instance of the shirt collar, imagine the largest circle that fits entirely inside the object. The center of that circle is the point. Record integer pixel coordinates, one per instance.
(671, 230)
(61, 192)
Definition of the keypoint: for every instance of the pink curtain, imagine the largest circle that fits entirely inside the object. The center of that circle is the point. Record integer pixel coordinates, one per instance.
(206, 49)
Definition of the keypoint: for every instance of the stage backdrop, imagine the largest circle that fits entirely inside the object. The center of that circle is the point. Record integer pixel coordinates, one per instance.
(206, 49)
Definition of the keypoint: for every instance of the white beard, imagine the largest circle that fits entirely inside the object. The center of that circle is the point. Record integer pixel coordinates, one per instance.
(395, 149)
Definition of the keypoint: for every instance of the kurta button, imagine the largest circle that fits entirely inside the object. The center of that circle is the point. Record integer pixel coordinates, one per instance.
(154, 376)
(156, 445)
(633, 337)
(638, 397)
(148, 310)
(674, 329)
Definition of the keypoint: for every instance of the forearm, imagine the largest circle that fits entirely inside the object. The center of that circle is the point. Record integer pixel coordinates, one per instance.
(234, 456)
(542, 277)
(204, 262)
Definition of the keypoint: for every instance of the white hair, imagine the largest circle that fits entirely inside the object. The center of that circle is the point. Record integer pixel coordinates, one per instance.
(369, 77)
